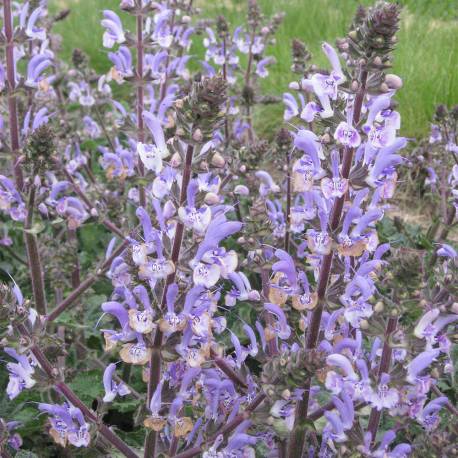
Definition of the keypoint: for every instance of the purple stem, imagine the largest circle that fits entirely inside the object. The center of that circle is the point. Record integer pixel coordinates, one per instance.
(297, 436)
(81, 194)
(10, 87)
(247, 84)
(140, 98)
(86, 284)
(155, 360)
(230, 373)
(272, 347)
(288, 201)
(33, 258)
(374, 417)
(64, 389)
(167, 61)
(228, 428)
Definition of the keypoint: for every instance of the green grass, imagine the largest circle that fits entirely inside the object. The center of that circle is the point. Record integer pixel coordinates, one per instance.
(426, 57)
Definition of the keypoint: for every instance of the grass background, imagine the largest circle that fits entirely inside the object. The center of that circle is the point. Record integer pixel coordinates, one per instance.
(426, 57)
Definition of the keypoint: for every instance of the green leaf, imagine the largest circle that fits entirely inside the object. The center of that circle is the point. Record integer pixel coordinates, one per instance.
(36, 228)
(88, 385)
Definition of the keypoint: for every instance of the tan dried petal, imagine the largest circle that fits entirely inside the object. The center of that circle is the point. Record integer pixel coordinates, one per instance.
(154, 423)
(182, 427)
(355, 249)
(305, 302)
(276, 294)
(135, 354)
(109, 342)
(141, 321)
(58, 438)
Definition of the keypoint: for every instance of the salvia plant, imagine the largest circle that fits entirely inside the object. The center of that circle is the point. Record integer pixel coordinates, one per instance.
(178, 284)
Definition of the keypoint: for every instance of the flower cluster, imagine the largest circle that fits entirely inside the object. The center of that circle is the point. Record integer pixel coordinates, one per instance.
(239, 308)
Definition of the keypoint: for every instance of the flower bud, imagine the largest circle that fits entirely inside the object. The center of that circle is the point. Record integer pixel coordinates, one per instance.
(211, 198)
(364, 324)
(393, 81)
(286, 394)
(302, 324)
(218, 160)
(353, 34)
(379, 307)
(175, 161)
(197, 136)
(241, 190)
(326, 138)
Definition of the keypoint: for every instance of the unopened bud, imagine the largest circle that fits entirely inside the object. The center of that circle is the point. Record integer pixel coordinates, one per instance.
(176, 160)
(379, 307)
(377, 61)
(211, 198)
(454, 307)
(326, 138)
(197, 135)
(393, 81)
(384, 87)
(354, 85)
(294, 86)
(353, 34)
(302, 325)
(179, 103)
(218, 160)
(242, 168)
(364, 324)
(286, 394)
(241, 190)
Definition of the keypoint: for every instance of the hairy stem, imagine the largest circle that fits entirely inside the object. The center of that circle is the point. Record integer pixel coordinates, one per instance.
(65, 390)
(156, 360)
(288, 201)
(165, 83)
(81, 194)
(385, 361)
(10, 88)
(226, 119)
(272, 347)
(33, 258)
(228, 428)
(247, 85)
(86, 284)
(140, 100)
(297, 436)
(441, 237)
